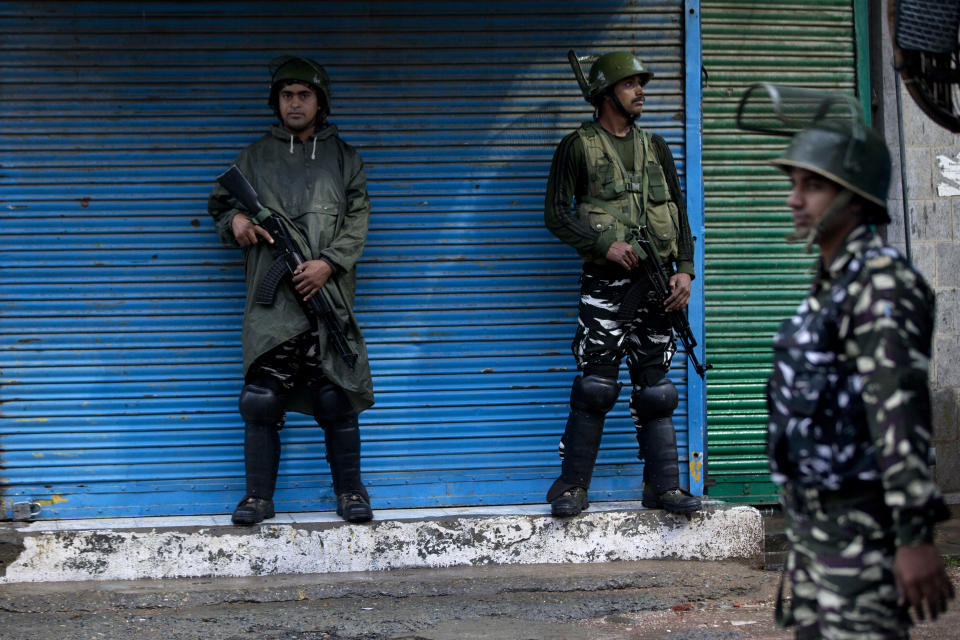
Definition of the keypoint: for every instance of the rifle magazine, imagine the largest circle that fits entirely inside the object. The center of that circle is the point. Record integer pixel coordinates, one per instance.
(267, 289)
(631, 302)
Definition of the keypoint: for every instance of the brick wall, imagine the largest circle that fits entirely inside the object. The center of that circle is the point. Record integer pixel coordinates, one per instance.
(932, 172)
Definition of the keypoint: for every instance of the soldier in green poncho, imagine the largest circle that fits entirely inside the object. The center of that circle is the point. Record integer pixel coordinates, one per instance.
(305, 173)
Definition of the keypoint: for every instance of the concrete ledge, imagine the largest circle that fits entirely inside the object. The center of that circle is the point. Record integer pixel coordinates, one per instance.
(138, 548)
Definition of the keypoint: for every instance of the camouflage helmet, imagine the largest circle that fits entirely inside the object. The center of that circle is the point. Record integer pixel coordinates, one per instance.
(286, 69)
(611, 68)
(847, 153)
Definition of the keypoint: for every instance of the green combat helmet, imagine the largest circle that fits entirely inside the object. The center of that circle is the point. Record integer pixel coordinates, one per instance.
(856, 160)
(829, 139)
(606, 71)
(284, 69)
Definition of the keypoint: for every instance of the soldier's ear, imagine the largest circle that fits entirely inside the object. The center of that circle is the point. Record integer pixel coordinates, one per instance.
(858, 206)
(605, 101)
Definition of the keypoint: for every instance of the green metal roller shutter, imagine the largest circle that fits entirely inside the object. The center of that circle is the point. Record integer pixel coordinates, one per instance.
(753, 277)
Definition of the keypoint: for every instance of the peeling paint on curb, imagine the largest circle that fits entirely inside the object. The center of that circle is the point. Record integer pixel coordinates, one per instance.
(11, 546)
(717, 533)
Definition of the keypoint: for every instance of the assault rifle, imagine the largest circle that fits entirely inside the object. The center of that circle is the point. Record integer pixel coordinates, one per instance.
(660, 286)
(287, 259)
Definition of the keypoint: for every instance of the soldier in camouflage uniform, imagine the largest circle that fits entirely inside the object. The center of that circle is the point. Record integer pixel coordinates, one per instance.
(608, 179)
(849, 414)
(304, 172)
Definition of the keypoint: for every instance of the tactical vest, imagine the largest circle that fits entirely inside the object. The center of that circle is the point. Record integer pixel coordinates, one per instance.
(626, 200)
(817, 433)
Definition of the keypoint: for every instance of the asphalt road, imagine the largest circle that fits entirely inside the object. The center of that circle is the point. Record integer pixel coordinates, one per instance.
(613, 601)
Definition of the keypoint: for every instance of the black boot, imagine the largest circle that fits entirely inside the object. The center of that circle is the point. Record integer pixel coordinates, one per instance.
(590, 400)
(673, 500)
(341, 430)
(354, 507)
(252, 511)
(261, 452)
(263, 412)
(661, 474)
(570, 503)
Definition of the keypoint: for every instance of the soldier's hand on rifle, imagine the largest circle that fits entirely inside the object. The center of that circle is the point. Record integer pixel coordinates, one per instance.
(311, 276)
(246, 232)
(623, 254)
(679, 292)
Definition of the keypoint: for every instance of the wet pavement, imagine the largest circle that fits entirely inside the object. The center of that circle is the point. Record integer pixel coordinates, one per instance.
(646, 599)
(662, 599)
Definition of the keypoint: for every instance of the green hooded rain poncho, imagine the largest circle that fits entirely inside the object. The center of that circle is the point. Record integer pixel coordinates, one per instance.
(320, 187)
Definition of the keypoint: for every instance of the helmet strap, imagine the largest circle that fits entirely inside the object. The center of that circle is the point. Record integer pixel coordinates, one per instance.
(616, 101)
(629, 116)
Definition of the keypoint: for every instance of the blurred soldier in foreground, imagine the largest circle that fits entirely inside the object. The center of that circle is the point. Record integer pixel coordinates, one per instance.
(849, 412)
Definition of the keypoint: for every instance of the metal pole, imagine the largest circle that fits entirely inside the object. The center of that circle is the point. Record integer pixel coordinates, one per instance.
(903, 170)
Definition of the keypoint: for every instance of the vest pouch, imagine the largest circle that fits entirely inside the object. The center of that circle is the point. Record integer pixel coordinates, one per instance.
(609, 184)
(663, 229)
(656, 184)
(662, 215)
(599, 220)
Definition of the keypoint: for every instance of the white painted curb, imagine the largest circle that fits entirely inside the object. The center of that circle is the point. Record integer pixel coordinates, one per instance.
(396, 540)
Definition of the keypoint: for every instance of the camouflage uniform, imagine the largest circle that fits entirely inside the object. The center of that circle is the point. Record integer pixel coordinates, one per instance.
(848, 437)
(595, 175)
(646, 340)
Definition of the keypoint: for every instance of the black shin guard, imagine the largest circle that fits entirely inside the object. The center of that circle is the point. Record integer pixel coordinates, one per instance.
(581, 443)
(261, 452)
(661, 471)
(343, 454)
(652, 410)
(262, 410)
(341, 429)
(590, 400)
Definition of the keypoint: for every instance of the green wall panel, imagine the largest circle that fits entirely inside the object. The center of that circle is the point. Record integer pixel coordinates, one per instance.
(753, 277)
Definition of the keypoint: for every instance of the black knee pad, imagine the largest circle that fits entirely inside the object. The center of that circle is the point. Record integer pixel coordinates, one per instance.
(331, 404)
(261, 405)
(656, 401)
(594, 394)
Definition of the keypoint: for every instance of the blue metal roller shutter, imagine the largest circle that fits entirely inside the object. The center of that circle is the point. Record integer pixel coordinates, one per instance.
(120, 311)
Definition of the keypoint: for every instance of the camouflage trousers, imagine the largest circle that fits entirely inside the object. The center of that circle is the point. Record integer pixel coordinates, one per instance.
(290, 362)
(646, 340)
(841, 565)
